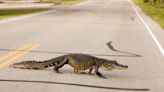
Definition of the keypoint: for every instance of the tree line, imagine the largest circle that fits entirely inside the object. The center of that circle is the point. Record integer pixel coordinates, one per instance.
(154, 2)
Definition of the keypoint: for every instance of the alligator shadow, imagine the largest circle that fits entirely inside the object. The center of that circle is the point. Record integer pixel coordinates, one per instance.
(73, 84)
(110, 46)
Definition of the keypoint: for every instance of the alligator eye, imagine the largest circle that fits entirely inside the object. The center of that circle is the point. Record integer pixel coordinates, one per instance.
(115, 61)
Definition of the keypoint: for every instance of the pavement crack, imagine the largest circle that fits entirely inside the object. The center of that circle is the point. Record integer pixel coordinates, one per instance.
(57, 52)
(80, 85)
(110, 46)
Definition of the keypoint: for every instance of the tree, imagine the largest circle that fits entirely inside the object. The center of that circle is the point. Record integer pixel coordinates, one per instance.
(154, 2)
(145, 1)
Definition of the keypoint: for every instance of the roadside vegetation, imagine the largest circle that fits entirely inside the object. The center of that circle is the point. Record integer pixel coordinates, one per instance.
(153, 8)
(7, 13)
(70, 1)
(61, 2)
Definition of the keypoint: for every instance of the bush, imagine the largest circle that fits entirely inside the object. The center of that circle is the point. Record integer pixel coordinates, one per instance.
(145, 1)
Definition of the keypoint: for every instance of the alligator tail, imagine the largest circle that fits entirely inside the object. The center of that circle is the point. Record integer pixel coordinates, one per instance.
(53, 62)
(37, 64)
(27, 65)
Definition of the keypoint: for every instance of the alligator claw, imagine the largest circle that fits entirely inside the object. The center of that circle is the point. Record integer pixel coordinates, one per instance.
(103, 77)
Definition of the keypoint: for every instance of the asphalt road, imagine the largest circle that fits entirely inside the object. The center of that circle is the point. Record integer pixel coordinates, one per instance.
(84, 28)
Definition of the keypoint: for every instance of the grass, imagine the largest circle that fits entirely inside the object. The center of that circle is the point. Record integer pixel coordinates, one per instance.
(155, 12)
(63, 2)
(70, 2)
(7, 13)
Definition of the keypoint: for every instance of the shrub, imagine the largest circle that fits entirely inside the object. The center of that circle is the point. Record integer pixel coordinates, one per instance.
(145, 1)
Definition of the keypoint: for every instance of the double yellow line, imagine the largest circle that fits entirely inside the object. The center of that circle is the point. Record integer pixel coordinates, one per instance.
(18, 53)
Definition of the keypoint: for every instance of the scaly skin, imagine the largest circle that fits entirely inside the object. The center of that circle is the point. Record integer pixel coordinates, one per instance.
(79, 62)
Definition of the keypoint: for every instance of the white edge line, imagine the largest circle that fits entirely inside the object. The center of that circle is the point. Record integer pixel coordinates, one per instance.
(82, 3)
(24, 16)
(148, 29)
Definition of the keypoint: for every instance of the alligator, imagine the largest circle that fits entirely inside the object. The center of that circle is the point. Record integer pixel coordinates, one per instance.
(79, 62)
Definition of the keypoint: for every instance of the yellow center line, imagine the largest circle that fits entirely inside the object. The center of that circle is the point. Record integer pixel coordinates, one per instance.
(18, 56)
(14, 52)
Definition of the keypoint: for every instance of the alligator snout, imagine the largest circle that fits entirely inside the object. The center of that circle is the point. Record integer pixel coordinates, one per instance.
(122, 67)
(125, 67)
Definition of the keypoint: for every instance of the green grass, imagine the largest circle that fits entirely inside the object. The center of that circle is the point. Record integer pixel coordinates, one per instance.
(70, 2)
(7, 13)
(63, 2)
(155, 12)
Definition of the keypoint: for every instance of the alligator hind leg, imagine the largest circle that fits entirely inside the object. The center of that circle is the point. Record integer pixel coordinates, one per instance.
(56, 70)
(98, 73)
(61, 64)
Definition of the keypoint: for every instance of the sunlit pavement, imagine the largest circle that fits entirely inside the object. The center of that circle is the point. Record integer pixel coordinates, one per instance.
(84, 28)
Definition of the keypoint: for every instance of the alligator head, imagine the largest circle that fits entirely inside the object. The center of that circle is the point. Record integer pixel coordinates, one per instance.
(112, 64)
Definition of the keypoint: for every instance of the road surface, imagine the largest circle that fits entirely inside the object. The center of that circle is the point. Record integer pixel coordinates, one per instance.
(83, 28)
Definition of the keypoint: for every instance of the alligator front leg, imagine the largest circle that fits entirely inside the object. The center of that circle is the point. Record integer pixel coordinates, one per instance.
(98, 73)
(90, 71)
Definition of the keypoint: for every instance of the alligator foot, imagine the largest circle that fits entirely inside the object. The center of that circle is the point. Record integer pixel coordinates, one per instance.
(103, 77)
(98, 73)
(90, 71)
(57, 71)
(82, 72)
